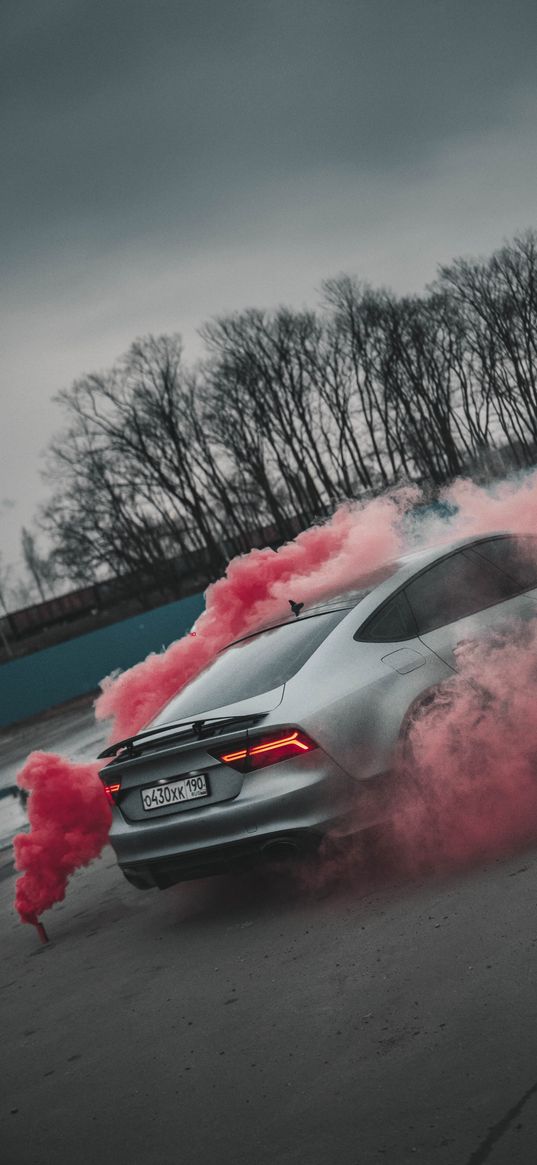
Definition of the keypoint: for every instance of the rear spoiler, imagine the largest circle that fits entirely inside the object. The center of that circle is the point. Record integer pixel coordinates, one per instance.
(178, 726)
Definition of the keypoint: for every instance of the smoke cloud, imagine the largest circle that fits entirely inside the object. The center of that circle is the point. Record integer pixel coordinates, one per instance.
(470, 772)
(70, 821)
(321, 561)
(256, 588)
(69, 815)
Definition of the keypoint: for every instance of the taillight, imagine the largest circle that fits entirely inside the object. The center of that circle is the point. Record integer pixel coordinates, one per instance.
(249, 755)
(112, 791)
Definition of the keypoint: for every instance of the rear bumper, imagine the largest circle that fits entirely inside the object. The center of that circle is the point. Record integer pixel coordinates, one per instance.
(210, 860)
(300, 800)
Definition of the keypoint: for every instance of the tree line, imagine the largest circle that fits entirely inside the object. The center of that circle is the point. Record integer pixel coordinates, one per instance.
(287, 414)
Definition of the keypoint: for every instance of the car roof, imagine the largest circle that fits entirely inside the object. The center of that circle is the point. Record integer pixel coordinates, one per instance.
(425, 555)
(404, 568)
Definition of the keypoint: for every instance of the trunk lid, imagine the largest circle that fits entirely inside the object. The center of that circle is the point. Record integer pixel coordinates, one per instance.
(164, 758)
(257, 705)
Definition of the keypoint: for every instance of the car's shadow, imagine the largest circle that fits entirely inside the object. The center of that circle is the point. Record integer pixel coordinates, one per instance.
(351, 870)
(266, 889)
(367, 873)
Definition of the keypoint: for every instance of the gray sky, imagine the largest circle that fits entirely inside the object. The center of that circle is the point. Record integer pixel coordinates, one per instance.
(164, 161)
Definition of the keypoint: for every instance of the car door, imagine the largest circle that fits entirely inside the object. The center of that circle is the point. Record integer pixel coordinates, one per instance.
(464, 596)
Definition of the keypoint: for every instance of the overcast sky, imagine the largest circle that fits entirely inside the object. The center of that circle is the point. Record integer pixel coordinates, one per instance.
(164, 161)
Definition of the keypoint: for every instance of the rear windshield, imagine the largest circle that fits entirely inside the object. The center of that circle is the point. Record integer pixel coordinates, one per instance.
(252, 666)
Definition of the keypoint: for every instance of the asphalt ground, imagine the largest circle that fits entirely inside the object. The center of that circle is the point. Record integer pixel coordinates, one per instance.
(276, 1017)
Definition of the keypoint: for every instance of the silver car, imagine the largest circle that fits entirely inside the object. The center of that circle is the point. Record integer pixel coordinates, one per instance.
(291, 733)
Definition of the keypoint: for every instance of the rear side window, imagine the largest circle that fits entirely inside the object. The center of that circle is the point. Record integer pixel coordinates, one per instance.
(454, 588)
(516, 557)
(392, 623)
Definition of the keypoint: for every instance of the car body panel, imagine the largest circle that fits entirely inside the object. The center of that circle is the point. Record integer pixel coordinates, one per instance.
(357, 702)
(500, 618)
(266, 702)
(297, 795)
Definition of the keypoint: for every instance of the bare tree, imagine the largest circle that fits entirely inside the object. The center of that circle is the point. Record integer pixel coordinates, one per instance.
(5, 602)
(135, 477)
(162, 469)
(263, 376)
(41, 568)
(360, 322)
(498, 299)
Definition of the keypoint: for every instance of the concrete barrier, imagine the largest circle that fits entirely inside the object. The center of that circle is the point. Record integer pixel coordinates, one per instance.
(47, 678)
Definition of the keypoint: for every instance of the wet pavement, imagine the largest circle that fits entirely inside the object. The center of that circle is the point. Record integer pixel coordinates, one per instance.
(273, 1019)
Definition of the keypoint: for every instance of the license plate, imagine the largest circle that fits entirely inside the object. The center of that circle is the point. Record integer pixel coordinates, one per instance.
(174, 792)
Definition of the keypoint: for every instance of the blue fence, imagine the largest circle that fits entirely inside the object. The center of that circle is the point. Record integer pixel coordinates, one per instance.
(47, 678)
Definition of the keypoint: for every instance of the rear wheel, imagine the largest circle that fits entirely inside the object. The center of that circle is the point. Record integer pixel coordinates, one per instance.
(420, 818)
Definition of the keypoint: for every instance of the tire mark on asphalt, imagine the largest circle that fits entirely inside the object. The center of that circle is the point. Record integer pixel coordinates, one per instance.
(483, 1151)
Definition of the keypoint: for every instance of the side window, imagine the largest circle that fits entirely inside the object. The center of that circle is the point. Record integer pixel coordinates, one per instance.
(454, 588)
(516, 557)
(392, 623)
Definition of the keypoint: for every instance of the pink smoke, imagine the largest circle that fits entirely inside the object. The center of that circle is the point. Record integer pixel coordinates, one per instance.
(256, 588)
(69, 815)
(472, 756)
(70, 820)
(506, 506)
(321, 561)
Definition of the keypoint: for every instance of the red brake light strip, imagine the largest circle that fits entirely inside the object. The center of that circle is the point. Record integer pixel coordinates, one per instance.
(111, 791)
(268, 746)
(283, 742)
(240, 755)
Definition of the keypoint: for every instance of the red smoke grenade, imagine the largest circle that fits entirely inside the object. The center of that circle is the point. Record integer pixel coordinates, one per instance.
(69, 823)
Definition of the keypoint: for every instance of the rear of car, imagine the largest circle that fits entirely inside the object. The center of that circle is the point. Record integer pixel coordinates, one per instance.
(211, 784)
